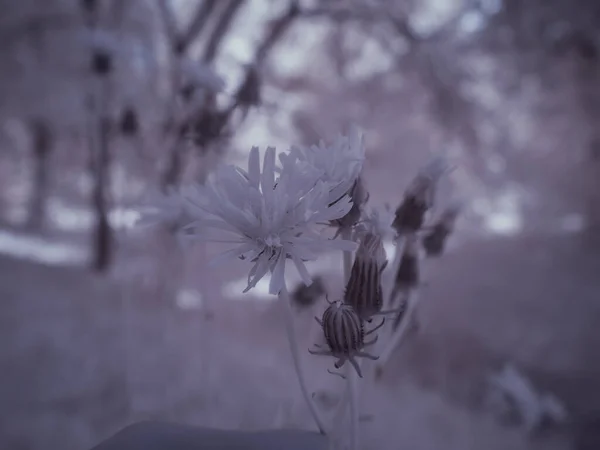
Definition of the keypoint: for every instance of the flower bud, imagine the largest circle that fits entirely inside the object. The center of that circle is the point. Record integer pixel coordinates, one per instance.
(363, 291)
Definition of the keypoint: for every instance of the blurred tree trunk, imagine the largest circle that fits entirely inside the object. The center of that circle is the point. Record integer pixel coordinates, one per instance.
(102, 244)
(179, 44)
(174, 170)
(587, 77)
(41, 149)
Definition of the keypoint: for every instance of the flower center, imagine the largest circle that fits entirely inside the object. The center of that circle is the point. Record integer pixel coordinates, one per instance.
(273, 241)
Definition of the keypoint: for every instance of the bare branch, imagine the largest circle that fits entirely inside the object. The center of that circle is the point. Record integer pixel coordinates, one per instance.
(196, 25)
(221, 29)
(168, 19)
(278, 28)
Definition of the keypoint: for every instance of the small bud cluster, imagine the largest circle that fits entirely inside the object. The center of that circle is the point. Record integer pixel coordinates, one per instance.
(343, 322)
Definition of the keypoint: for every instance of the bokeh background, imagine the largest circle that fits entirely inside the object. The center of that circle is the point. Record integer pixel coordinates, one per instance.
(106, 101)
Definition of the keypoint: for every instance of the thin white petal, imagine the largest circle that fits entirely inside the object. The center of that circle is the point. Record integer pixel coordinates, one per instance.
(268, 175)
(277, 276)
(306, 278)
(254, 167)
(258, 271)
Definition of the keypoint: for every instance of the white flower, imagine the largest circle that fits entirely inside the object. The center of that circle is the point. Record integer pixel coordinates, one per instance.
(338, 164)
(270, 219)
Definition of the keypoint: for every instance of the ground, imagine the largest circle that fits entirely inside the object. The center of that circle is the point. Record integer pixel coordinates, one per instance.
(82, 356)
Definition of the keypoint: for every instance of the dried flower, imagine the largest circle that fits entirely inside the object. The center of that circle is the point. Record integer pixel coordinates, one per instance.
(269, 219)
(419, 197)
(434, 240)
(345, 335)
(407, 276)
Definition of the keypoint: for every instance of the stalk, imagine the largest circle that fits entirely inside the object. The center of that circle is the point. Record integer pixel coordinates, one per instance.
(284, 298)
(351, 375)
(396, 337)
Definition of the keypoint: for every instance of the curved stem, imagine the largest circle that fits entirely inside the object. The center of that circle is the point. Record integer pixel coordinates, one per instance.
(291, 335)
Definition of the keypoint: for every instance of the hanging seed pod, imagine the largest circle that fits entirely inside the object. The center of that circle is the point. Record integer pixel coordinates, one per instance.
(435, 239)
(363, 291)
(305, 296)
(345, 335)
(419, 197)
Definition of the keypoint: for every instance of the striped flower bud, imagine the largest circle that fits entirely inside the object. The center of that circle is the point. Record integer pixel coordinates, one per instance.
(345, 335)
(363, 291)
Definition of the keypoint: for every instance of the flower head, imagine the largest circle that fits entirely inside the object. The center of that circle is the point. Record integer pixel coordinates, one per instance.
(269, 218)
(377, 221)
(338, 164)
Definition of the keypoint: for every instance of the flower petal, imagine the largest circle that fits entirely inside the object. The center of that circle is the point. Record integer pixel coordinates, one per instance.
(254, 167)
(278, 276)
